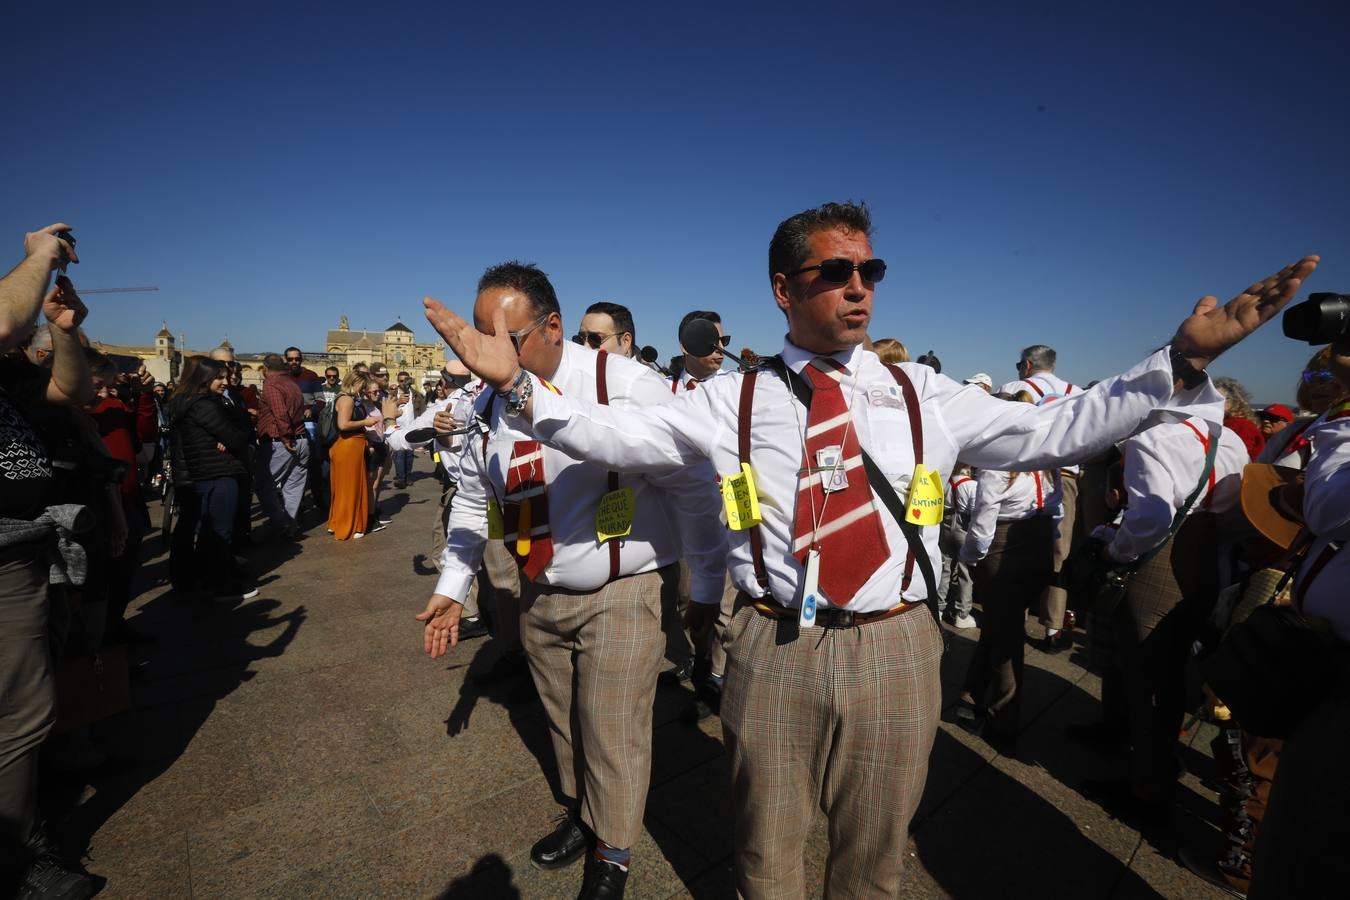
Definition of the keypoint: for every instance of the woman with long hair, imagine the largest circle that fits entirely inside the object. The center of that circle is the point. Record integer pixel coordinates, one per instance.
(210, 447)
(348, 482)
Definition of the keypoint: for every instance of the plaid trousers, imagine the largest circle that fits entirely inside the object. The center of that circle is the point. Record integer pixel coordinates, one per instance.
(843, 719)
(595, 658)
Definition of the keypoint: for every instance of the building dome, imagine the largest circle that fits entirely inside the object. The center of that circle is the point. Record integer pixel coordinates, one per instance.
(164, 331)
(226, 345)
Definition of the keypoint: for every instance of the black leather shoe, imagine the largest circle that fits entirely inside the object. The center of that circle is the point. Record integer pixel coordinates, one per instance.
(472, 628)
(562, 847)
(603, 881)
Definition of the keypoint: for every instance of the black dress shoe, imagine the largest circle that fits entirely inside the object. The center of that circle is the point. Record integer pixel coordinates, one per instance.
(562, 847)
(603, 881)
(472, 628)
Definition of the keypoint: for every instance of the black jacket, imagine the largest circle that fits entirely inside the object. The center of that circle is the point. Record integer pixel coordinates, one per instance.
(194, 433)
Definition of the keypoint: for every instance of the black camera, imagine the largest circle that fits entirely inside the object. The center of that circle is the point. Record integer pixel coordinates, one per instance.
(1321, 319)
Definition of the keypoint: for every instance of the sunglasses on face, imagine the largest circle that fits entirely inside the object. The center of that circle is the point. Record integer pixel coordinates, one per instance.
(839, 270)
(594, 339)
(1317, 375)
(293, 359)
(518, 337)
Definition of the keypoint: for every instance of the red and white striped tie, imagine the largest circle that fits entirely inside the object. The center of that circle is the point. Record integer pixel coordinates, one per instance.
(526, 508)
(849, 535)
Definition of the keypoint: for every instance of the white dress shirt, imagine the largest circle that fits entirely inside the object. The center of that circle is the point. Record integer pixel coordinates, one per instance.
(997, 499)
(1326, 512)
(957, 420)
(1041, 385)
(676, 510)
(960, 497)
(1163, 464)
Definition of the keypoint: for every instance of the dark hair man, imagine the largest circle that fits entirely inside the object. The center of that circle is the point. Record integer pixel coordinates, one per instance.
(282, 463)
(701, 368)
(860, 752)
(598, 554)
(609, 327)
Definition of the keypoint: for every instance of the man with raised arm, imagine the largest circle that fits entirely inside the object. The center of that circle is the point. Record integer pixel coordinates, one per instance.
(597, 554)
(832, 691)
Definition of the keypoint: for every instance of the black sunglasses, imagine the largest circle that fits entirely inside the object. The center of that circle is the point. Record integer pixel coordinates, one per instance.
(839, 270)
(593, 339)
(295, 359)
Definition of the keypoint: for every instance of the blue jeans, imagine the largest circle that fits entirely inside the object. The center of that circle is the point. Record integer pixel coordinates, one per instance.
(403, 464)
(219, 497)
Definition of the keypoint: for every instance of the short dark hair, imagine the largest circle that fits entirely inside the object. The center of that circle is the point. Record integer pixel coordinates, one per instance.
(273, 362)
(401, 374)
(622, 316)
(789, 249)
(699, 314)
(332, 369)
(524, 277)
(930, 360)
(296, 349)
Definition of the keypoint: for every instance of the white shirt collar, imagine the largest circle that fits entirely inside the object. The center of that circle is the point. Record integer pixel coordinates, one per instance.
(797, 357)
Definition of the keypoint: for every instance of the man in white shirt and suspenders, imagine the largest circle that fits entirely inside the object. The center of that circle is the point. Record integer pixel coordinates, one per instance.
(1036, 375)
(700, 368)
(814, 452)
(597, 554)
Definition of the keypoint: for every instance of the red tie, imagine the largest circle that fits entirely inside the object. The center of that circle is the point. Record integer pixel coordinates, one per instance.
(527, 505)
(850, 536)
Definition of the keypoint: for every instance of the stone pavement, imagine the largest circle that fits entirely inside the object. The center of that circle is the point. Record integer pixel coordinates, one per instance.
(301, 745)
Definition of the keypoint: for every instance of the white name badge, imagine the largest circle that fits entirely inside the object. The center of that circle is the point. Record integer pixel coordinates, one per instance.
(806, 618)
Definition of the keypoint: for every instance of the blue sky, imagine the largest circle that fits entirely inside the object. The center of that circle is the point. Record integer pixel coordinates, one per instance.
(1057, 174)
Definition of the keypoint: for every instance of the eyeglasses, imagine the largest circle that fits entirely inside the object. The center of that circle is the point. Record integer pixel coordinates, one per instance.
(839, 270)
(1317, 375)
(294, 359)
(379, 374)
(518, 337)
(593, 339)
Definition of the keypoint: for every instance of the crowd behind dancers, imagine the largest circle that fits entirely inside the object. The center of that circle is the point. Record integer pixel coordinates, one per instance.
(1139, 557)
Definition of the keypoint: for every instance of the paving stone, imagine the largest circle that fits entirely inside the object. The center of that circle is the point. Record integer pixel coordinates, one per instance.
(301, 744)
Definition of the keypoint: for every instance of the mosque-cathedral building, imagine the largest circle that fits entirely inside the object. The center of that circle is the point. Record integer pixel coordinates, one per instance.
(396, 347)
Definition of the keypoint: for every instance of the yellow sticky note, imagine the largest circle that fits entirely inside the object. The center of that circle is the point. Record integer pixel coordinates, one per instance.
(741, 499)
(925, 497)
(496, 530)
(614, 516)
(523, 526)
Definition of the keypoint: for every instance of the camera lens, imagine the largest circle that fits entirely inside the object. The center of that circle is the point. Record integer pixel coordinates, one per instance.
(1320, 319)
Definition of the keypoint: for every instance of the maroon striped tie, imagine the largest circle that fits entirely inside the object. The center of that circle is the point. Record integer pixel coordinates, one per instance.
(849, 536)
(527, 505)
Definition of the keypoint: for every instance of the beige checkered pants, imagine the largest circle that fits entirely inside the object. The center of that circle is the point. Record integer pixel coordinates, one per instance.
(595, 658)
(843, 719)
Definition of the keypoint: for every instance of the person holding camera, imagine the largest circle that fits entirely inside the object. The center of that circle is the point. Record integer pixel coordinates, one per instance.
(29, 525)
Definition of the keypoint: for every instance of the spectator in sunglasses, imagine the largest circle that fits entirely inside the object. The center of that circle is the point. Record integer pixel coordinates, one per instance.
(609, 327)
(701, 368)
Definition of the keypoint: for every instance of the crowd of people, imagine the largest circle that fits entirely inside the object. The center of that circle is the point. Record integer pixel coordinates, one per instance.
(788, 536)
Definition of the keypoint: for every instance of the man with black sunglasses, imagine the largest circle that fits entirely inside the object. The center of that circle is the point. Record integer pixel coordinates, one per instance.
(833, 693)
(609, 327)
(597, 554)
(701, 368)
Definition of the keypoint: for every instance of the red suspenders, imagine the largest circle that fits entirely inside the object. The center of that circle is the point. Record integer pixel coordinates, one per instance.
(602, 396)
(743, 452)
(1204, 442)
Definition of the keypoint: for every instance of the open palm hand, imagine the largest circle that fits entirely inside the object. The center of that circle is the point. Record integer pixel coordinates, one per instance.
(1211, 329)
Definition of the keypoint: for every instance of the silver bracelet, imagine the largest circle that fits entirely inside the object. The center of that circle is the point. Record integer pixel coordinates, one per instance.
(519, 394)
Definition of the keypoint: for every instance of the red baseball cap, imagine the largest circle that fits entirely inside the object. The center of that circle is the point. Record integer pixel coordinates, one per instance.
(1278, 411)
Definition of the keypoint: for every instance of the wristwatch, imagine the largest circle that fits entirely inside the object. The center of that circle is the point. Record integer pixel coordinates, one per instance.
(1182, 370)
(519, 394)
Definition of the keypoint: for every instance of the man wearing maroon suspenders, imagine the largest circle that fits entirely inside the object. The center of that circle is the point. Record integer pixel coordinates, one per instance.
(1036, 375)
(832, 687)
(597, 556)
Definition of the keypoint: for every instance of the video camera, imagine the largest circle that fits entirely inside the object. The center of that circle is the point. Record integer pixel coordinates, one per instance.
(1321, 319)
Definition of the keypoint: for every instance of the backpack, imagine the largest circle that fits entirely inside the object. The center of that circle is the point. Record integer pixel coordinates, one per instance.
(326, 427)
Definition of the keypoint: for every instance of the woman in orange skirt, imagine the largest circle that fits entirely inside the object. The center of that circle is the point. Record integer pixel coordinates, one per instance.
(350, 504)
